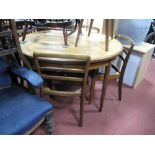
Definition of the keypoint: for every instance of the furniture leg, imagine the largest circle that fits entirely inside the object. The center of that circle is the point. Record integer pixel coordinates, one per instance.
(81, 110)
(79, 31)
(24, 32)
(90, 27)
(112, 28)
(65, 35)
(120, 82)
(92, 89)
(49, 121)
(106, 34)
(105, 82)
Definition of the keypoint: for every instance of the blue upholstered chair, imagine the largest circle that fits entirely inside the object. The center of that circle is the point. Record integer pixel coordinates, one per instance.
(21, 111)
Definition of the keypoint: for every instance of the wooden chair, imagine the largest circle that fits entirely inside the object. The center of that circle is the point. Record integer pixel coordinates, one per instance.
(109, 26)
(80, 29)
(25, 27)
(69, 26)
(119, 72)
(58, 68)
(21, 111)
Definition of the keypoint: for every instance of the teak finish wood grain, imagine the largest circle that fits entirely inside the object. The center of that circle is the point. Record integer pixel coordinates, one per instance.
(93, 46)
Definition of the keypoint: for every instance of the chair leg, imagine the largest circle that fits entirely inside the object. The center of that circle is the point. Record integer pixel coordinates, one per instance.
(24, 32)
(49, 121)
(105, 83)
(90, 27)
(81, 111)
(65, 35)
(120, 82)
(92, 89)
(79, 31)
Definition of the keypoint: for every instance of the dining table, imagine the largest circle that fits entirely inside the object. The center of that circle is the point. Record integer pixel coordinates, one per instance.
(51, 41)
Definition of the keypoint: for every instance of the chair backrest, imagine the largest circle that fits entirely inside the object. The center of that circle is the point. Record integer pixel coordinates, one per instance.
(5, 78)
(125, 55)
(10, 50)
(9, 42)
(57, 67)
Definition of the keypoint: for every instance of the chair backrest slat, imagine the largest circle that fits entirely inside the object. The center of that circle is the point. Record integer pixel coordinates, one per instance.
(122, 58)
(62, 78)
(58, 67)
(6, 33)
(70, 70)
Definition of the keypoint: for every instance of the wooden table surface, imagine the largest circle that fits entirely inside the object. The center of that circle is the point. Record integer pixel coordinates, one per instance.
(52, 41)
(94, 46)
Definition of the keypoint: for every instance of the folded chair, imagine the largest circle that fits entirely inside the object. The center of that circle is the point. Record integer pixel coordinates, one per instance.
(118, 71)
(71, 69)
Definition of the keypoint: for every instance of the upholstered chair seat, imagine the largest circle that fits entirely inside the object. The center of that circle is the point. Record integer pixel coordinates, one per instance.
(21, 111)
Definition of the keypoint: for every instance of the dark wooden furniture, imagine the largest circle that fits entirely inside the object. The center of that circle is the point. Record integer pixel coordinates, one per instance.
(9, 42)
(119, 72)
(67, 25)
(72, 69)
(24, 27)
(21, 111)
(64, 24)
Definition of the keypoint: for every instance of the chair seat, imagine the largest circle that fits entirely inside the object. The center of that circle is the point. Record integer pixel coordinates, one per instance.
(20, 111)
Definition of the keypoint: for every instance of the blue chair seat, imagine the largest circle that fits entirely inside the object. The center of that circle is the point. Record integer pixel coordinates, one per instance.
(20, 111)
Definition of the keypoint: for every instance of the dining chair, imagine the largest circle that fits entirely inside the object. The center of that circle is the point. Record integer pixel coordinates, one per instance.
(72, 69)
(109, 27)
(68, 26)
(80, 29)
(118, 71)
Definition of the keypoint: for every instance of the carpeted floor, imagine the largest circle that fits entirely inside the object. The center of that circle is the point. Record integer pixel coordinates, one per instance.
(135, 114)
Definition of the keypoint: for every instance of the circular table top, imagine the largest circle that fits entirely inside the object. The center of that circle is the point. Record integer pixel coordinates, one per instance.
(52, 41)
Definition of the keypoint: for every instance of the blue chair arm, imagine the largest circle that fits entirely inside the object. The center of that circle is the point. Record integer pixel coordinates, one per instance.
(30, 76)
